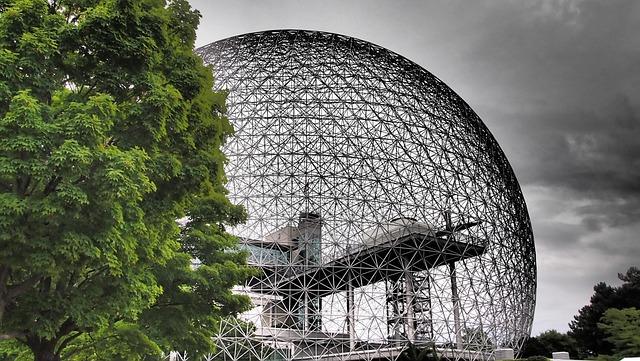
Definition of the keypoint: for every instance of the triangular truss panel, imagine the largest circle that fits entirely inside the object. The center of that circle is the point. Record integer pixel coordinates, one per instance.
(382, 212)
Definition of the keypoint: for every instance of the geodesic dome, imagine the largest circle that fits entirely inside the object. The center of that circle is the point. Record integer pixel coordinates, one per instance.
(382, 212)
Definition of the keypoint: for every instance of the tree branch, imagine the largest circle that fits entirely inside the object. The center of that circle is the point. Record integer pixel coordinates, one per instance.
(5, 187)
(51, 186)
(92, 344)
(80, 180)
(15, 291)
(5, 271)
(91, 275)
(169, 304)
(67, 327)
(26, 181)
(34, 185)
(11, 335)
(88, 89)
(66, 341)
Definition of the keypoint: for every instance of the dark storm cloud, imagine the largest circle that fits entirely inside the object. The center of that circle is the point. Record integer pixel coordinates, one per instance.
(564, 103)
(561, 93)
(594, 160)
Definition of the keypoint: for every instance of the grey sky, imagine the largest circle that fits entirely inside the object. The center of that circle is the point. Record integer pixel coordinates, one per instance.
(558, 84)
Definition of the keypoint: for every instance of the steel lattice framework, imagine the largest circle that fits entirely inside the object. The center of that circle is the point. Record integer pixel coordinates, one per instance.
(381, 209)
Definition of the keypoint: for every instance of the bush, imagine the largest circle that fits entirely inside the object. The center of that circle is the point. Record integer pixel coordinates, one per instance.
(537, 358)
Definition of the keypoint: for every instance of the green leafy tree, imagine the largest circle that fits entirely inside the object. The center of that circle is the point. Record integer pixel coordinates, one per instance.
(532, 347)
(537, 358)
(623, 328)
(591, 339)
(109, 133)
(547, 342)
(119, 342)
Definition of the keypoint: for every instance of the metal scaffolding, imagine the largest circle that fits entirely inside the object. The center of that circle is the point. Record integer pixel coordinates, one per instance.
(382, 212)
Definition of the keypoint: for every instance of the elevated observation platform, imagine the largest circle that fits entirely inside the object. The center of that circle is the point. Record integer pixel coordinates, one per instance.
(388, 255)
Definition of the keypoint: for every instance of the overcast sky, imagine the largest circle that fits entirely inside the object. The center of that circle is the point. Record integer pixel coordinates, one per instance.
(558, 84)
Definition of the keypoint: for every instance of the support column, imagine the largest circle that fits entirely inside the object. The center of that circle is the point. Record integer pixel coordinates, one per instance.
(408, 304)
(351, 316)
(306, 319)
(455, 300)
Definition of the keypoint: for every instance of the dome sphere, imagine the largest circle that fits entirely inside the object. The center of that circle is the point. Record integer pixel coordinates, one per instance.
(381, 210)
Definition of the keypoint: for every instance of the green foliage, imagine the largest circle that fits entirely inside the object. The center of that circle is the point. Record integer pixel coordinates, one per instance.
(119, 342)
(532, 347)
(109, 132)
(419, 353)
(547, 342)
(623, 328)
(591, 339)
(606, 358)
(537, 358)
(12, 350)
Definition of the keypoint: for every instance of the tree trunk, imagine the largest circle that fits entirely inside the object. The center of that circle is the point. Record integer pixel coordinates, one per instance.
(2, 307)
(4, 275)
(44, 350)
(47, 356)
